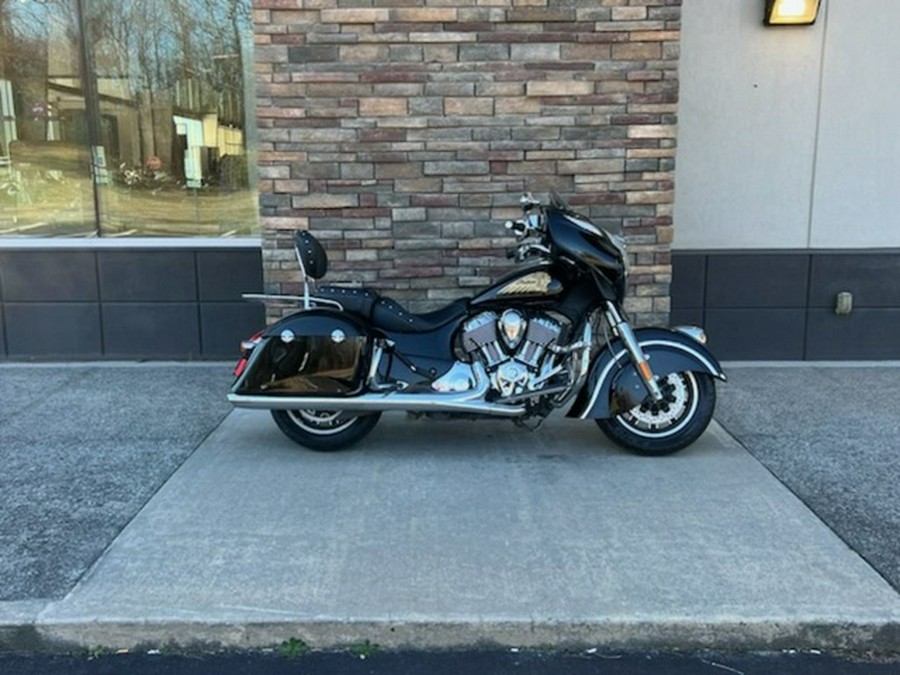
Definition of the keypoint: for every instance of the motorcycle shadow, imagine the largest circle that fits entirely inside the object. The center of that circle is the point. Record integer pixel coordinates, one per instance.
(399, 434)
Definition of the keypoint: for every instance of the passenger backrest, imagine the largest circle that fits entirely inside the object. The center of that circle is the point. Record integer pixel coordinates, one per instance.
(311, 254)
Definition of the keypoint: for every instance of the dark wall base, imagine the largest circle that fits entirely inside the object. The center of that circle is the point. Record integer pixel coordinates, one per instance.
(128, 303)
(780, 305)
(186, 304)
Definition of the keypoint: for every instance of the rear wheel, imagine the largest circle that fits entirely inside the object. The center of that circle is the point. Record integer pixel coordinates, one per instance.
(663, 427)
(324, 430)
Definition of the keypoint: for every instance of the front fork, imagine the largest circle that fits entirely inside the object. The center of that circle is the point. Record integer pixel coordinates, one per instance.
(623, 330)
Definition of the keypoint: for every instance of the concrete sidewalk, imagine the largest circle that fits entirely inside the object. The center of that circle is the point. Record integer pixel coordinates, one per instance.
(454, 534)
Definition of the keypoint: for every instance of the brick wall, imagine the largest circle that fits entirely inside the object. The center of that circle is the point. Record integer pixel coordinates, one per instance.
(402, 135)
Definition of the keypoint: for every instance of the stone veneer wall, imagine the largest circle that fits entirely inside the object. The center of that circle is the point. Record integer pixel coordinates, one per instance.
(402, 135)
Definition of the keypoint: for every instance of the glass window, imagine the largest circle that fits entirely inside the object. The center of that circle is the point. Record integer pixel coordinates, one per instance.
(165, 112)
(45, 177)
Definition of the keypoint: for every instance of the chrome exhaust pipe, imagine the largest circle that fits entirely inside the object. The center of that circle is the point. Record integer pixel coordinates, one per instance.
(471, 401)
(376, 402)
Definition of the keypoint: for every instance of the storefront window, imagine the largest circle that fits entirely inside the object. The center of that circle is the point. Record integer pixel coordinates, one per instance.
(165, 112)
(45, 177)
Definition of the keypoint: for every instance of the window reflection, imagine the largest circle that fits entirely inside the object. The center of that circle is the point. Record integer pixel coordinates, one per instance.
(45, 180)
(169, 116)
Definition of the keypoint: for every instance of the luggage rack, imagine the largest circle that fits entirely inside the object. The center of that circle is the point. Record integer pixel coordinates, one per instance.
(308, 302)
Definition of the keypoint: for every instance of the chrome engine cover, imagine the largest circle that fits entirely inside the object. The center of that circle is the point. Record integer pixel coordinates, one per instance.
(512, 328)
(516, 349)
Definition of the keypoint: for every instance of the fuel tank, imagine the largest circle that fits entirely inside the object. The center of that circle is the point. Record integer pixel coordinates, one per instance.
(539, 283)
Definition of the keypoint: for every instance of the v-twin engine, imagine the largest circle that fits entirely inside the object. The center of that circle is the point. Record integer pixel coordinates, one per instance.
(518, 350)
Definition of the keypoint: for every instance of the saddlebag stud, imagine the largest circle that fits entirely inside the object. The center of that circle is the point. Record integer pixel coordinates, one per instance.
(287, 336)
(338, 336)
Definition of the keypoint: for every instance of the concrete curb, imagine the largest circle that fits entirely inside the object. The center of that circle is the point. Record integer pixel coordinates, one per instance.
(616, 634)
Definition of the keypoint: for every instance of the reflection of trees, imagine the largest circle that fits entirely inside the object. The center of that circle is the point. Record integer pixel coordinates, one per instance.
(160, 45)
(23, 41)
(157, 57)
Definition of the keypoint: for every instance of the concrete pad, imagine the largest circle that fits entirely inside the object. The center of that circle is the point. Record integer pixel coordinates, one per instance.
(457, 533)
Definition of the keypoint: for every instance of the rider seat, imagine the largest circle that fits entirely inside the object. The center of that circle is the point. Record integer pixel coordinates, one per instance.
(367, 303)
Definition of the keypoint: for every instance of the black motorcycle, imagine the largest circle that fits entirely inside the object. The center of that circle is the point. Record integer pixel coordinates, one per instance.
(545, 335)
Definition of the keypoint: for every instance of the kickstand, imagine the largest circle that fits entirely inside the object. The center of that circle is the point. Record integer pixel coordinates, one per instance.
(530, 423)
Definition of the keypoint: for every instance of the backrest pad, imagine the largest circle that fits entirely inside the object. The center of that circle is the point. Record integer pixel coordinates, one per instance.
(315, 261)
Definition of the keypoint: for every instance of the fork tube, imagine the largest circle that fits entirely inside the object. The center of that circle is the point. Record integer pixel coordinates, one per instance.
(623, 329)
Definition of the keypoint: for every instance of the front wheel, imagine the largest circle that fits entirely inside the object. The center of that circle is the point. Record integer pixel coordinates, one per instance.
(657, 428)
(324, 430)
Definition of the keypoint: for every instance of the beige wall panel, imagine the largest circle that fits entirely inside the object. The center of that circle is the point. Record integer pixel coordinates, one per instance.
(747, 128)
(857, 192)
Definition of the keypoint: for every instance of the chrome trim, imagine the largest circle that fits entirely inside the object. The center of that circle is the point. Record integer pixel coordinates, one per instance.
(584, 225)
(695, 401)
(624, 331)
(526, 395)
(377, 353)
(568, 349)
(650, 343)
(293, 298)
(524, 250)
(599, 386)
(471, 401)
(271, 296)
(458, 379)
(327, 302)
(694, 332)
(587, 339)
(305, 277)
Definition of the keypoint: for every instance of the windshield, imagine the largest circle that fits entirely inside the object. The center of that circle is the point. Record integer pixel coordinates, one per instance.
(558, 203)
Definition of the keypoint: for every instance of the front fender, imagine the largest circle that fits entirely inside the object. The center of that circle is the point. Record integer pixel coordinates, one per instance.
(614, 385)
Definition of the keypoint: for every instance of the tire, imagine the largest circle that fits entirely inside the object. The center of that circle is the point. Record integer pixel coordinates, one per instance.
(653, 429)
(323, 430)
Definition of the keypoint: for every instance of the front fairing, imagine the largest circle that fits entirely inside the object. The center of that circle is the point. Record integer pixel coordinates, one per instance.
(581, 240)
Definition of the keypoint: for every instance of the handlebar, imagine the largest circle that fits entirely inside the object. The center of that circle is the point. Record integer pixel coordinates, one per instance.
(524, 227)
(518, 227)
(522, 251)
(531, 224)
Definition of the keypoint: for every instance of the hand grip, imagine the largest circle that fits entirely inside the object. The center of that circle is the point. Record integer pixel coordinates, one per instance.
(519, 227)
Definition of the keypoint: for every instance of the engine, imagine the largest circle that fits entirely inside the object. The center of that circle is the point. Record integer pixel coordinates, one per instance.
(517, 350)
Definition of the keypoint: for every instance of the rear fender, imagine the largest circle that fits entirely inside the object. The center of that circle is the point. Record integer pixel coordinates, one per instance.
(614, 385)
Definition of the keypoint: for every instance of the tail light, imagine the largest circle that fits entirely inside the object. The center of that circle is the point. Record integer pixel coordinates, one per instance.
(247, 346)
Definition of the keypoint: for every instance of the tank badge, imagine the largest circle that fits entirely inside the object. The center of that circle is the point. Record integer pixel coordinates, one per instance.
(287, 336)
(338, 336)
(537, 283)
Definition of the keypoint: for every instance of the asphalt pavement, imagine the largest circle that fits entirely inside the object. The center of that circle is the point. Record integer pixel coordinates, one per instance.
(831, 433)
(133, 511)
(483, 662)
(82, 448)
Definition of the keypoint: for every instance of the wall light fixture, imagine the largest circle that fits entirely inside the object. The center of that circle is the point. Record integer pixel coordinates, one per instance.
(791, 12)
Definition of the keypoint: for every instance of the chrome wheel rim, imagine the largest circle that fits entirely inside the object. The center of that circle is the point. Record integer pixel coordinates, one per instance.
(322, 422)
(669, 416)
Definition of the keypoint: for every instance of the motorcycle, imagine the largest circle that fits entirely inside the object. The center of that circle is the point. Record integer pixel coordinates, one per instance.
(545, 335)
